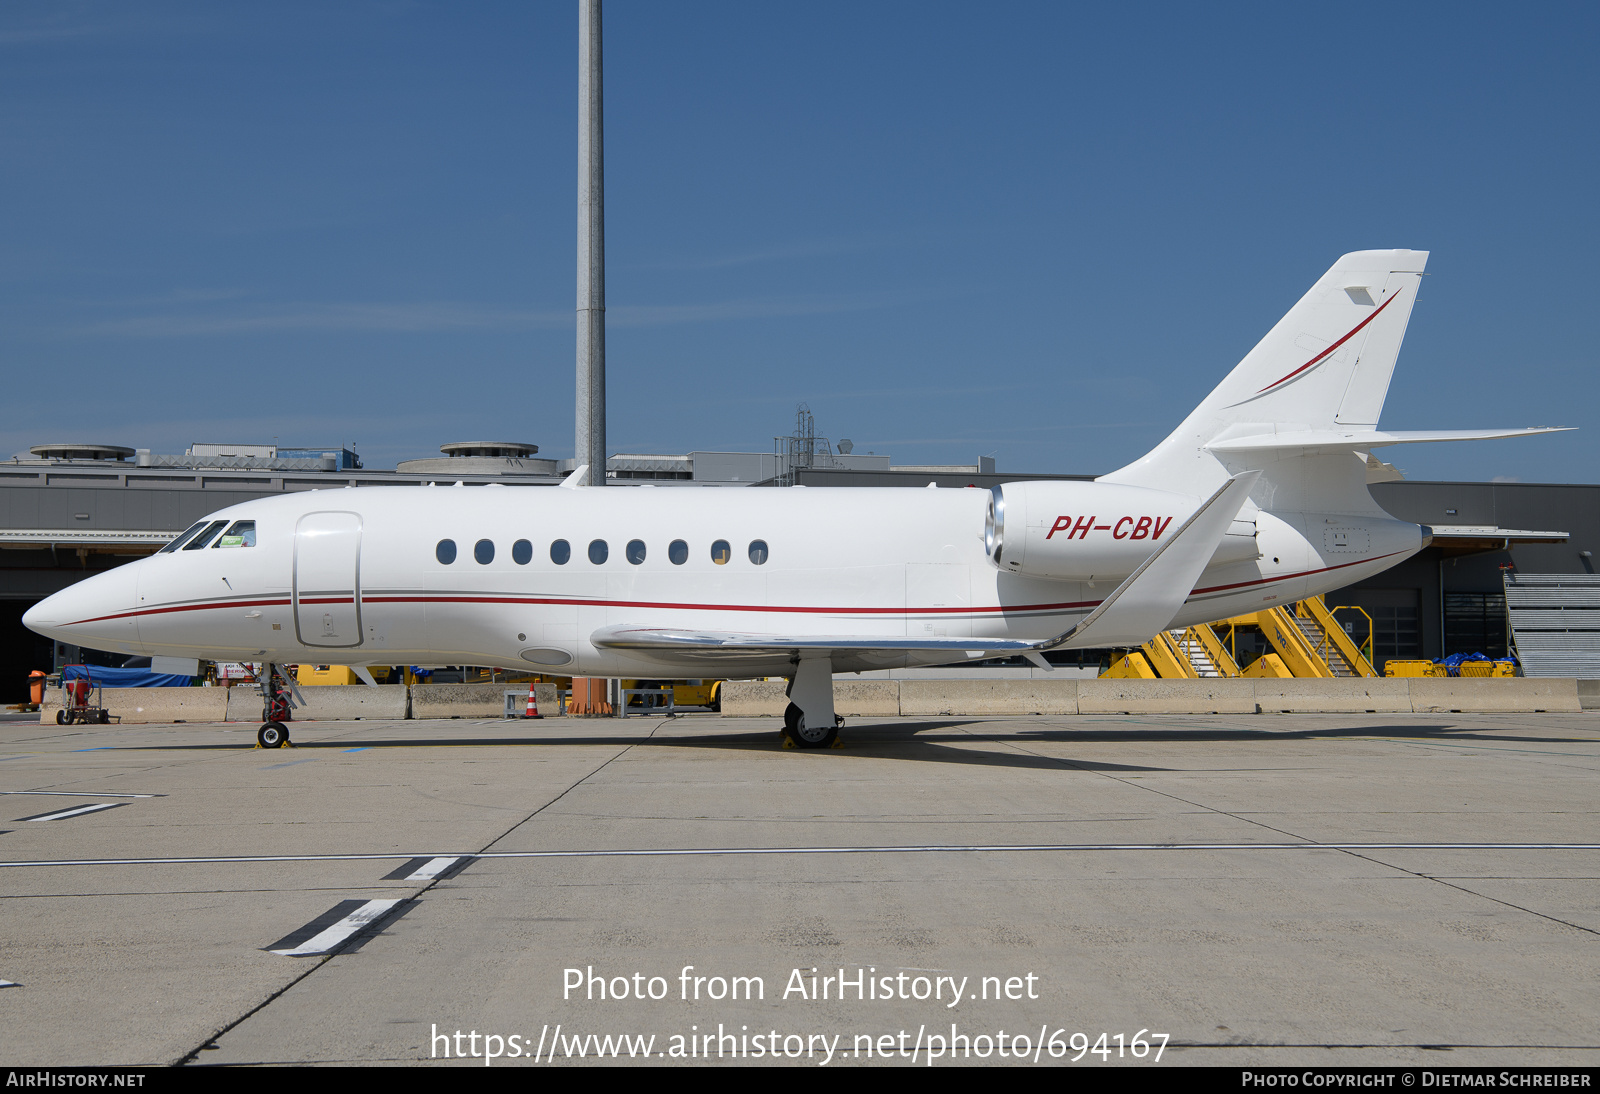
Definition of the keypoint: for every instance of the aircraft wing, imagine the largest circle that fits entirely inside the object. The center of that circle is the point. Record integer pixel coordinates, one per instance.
(701, 646)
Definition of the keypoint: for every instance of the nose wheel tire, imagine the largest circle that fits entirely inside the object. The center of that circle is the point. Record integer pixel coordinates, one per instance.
(272, 735)
(808, 736)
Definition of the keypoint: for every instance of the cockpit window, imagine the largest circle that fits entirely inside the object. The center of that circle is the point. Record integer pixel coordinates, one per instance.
(181, 540)
(207, 536)
(242, 534)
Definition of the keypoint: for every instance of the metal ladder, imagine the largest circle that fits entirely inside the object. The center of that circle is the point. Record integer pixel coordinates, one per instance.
(1318, 639)
(1199, 659)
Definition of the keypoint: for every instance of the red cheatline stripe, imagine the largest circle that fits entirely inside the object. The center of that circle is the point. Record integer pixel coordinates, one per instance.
(1290, 577)
(1324, 354)
(767, 609)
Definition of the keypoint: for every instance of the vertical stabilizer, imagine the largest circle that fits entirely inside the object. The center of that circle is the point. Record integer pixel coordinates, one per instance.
(1325, 365)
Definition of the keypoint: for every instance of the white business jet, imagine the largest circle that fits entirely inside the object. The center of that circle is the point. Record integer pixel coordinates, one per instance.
(1258, 498)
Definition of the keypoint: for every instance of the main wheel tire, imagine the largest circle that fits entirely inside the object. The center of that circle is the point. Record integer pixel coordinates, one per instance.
(61, 717)
(273, 735)
(805, 736)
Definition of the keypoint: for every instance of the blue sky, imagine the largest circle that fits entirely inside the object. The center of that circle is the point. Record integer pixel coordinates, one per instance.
(1038, 231)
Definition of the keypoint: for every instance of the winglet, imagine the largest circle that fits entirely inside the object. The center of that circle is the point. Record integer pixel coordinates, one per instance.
(1152, 595)
(579, 476)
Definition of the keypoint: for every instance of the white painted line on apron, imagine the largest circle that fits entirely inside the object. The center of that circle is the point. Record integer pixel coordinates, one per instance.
(77, 811)
(339, 932)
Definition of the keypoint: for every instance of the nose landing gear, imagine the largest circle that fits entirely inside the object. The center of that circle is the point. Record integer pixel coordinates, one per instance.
(275, 708)
(273, 735)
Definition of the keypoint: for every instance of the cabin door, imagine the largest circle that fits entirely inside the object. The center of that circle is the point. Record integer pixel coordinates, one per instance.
(327, 580)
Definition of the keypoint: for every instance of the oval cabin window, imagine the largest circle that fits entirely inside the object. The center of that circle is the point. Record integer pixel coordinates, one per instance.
(446, 551)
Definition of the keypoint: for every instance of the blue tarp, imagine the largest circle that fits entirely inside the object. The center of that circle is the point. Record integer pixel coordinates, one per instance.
(1453, 662)
(125, 678)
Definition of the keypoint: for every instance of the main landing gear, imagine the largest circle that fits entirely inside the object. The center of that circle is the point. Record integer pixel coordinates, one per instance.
(806, 734)
(809, 720)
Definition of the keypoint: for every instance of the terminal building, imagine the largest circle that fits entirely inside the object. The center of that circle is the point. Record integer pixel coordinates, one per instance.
(71, 510)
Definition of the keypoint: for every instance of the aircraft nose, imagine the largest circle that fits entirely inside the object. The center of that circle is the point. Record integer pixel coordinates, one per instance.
(42, 615)
(95, 612)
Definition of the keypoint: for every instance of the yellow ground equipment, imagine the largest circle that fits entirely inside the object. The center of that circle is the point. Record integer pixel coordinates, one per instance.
(1468, 668)
(1133, 666)
(1306, 641)
(1488, 668)
(340, 674)
(685, 693)
(1414, 669)
(1268, 665)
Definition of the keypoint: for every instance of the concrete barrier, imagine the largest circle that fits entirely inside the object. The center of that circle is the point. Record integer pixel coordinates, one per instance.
(131, 705)
(934, 698)
(244, 703)
(344, 702)
(472, 700)
(1530, 694)
(931, 698)
(1166, 697)
(866, 698)
(753, 699)
(1361, 695)
(1589, 694)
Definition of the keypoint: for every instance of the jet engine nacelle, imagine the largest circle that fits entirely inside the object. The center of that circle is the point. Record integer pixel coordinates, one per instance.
(1083, 530)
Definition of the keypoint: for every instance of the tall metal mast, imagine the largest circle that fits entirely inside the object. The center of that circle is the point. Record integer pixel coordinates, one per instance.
(590, 447)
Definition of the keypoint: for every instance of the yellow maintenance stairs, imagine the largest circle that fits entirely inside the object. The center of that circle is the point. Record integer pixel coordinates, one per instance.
(1306, 641)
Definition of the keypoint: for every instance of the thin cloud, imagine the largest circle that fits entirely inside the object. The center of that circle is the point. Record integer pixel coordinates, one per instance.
(644, 315)
(328, 317)
(820, 248)
(444, 316)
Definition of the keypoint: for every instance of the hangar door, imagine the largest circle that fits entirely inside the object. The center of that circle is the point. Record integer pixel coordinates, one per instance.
(327, 580)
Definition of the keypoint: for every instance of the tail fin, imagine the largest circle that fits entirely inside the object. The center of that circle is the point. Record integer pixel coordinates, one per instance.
(1325, 366)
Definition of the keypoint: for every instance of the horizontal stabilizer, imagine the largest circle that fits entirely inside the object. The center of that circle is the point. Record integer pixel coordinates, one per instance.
(1146, 602)
(1314, 441)
(701, 646)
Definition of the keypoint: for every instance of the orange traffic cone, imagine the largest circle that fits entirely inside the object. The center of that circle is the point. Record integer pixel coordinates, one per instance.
(533, 704)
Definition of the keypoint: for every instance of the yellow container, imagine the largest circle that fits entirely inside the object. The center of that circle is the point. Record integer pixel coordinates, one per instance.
(341, 674)
(1414, 668)
(324, 674)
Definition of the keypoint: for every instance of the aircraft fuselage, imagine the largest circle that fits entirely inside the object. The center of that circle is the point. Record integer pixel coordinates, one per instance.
(359, 576)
